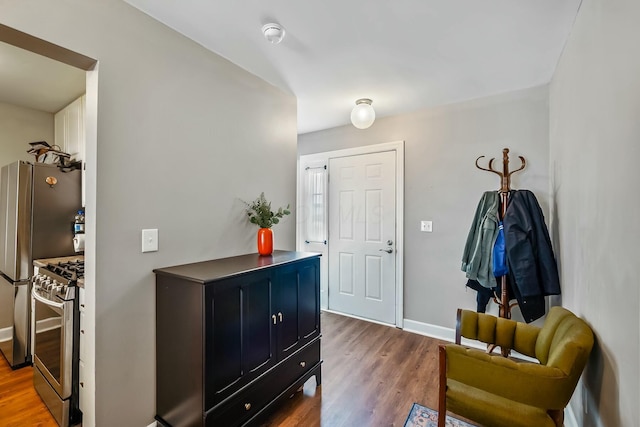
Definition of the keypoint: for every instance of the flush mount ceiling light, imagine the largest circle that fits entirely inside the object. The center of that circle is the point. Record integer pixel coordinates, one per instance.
(274, 33)
(363, 115)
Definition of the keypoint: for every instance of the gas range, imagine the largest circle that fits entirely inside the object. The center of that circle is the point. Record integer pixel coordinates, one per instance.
(56, 335)
(56, 278)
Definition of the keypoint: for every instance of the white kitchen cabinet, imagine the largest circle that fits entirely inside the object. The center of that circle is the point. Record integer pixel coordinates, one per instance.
(83, 374)
(82, 379)
(69, 129)
(69, 133)
(59, 129)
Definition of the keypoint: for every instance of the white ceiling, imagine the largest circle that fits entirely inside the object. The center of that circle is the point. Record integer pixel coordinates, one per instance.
(403, 54)
(33, 81)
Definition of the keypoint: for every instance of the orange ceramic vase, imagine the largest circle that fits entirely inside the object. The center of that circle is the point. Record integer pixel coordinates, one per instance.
(265, 241)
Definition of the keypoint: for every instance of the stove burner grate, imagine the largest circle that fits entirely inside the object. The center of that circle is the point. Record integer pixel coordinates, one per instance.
(71, 270)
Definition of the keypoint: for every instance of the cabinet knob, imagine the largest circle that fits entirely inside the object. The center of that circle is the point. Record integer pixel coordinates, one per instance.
(81, 383)
(273, 317)
(247, 406)
(82, 331)
(303, 364)
(280, 316)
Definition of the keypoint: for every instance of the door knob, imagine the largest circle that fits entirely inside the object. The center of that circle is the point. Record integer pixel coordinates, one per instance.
(388, 250)
(389, 242)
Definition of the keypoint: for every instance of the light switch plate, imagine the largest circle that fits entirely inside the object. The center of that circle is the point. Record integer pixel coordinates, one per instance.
(426, 226)
(150, 240)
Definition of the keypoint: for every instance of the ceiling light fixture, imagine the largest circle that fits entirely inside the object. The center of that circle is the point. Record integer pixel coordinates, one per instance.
(274, 33)
(363, 115)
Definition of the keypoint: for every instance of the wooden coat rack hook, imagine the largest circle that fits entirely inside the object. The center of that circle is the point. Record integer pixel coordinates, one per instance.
(505, 175)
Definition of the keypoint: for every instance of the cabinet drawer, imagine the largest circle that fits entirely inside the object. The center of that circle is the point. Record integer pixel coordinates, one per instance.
(265, 389)
(297, 365)
(247, 403)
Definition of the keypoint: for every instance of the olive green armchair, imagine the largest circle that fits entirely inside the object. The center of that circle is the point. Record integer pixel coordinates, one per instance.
(498, 391)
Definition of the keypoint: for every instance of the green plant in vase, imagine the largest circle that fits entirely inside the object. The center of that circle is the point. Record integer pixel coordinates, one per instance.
(260, 213)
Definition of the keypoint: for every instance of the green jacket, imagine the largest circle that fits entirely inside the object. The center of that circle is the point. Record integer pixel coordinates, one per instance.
(477, 260)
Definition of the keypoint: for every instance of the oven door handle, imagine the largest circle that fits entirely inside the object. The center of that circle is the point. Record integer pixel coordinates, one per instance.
(46, 301)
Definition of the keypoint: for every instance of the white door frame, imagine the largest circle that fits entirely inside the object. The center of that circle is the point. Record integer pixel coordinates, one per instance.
(301, 245)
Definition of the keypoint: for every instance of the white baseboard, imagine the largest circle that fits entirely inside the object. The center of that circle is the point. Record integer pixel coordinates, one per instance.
(153, 424)
(42, 325)
(48, 324)
(359, 318)
(433, 331)
(6, 334)
(569, 417)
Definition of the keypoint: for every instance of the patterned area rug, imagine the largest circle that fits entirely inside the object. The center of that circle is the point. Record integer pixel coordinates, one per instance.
(420, 416)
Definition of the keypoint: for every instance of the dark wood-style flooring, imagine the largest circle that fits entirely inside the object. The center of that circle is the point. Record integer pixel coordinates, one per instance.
(371, 376)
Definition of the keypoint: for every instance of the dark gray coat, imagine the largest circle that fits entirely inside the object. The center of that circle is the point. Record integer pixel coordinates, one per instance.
(532, 265)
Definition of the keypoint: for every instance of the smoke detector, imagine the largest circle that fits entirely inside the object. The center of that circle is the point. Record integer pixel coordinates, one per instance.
(274, 33)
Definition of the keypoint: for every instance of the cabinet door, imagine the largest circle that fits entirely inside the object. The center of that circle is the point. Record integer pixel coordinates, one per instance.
(239, 341)
(74, 129)
(69, 133)
(297, 291)
(59, 129)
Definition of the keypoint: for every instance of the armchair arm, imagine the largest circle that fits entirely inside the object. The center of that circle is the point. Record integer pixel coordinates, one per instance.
(530, 383)
(503, 332)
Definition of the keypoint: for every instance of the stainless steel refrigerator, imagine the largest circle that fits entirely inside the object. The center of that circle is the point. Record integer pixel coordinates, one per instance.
(37, 207)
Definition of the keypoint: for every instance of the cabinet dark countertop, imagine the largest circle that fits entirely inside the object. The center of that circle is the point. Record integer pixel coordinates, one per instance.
(213, 270)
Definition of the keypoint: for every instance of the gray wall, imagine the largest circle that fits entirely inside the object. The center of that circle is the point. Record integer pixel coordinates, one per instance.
(182, 135)
(595, 147)
(442, 183)
(18, 127)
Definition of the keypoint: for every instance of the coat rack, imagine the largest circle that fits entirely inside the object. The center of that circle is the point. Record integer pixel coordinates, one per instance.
(505, 180)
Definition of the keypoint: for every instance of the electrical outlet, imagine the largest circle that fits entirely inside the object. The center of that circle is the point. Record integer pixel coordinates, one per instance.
(150, 240)
(426, 226)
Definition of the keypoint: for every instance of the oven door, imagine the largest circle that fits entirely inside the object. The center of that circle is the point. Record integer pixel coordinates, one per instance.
(53, 341)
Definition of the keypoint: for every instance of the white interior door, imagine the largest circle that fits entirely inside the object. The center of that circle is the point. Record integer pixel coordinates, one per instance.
(362, 232)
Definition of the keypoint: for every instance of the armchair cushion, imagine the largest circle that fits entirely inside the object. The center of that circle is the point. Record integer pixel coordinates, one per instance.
(524, 382)
(491, 410)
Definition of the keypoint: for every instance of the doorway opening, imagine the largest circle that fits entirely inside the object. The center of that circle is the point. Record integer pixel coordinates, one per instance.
(350, 209)
(89, 65)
